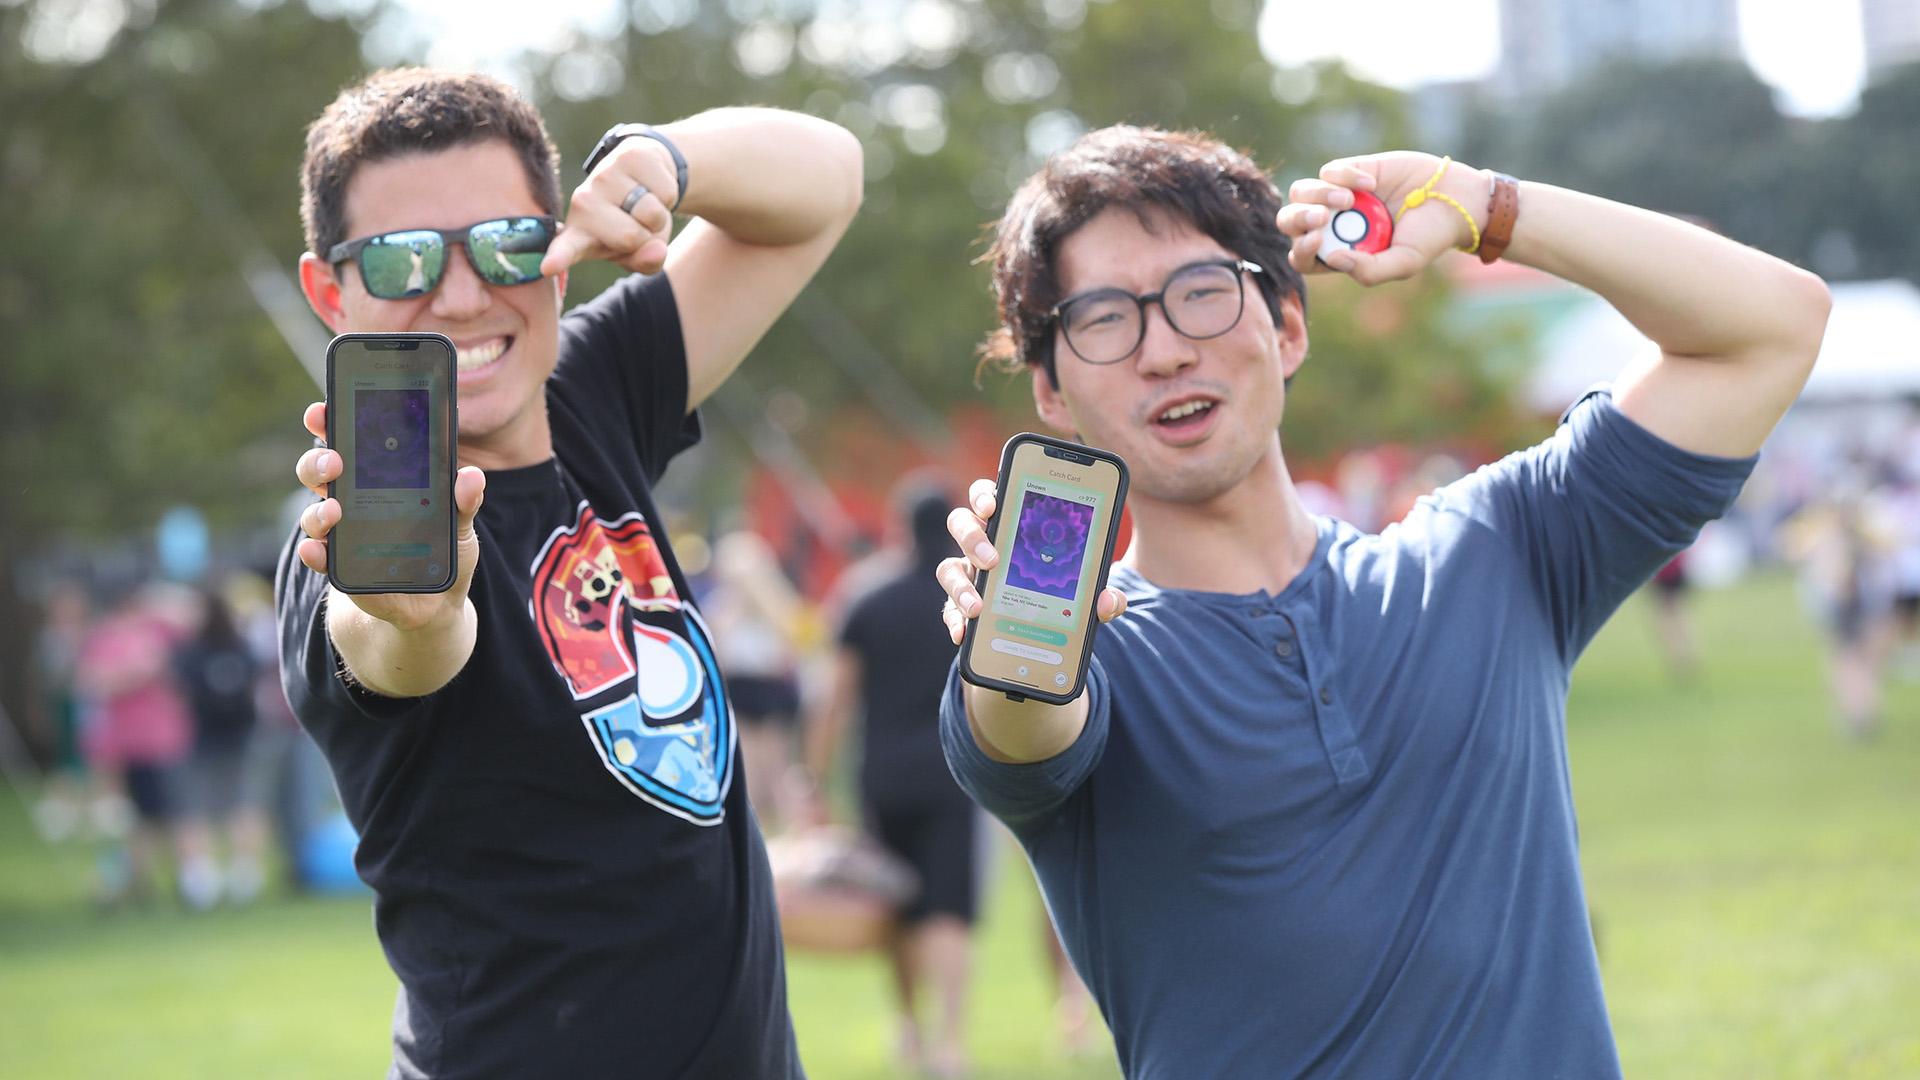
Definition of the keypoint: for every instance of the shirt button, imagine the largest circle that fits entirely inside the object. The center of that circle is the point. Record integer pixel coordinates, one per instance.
(1326, 696)
(1285, 648)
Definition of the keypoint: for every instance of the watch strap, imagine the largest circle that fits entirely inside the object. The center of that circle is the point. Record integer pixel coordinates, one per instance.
(1503, 209)
(621, 132)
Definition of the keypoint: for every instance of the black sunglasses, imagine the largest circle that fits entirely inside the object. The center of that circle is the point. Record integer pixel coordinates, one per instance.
(410, 262)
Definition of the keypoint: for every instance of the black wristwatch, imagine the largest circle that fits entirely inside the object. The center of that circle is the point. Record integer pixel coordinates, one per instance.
(619, 132)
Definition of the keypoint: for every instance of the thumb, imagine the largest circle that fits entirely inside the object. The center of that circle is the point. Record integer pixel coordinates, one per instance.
(469, 491)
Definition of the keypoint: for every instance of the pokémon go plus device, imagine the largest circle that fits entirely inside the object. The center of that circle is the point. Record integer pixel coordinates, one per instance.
(1367, 227)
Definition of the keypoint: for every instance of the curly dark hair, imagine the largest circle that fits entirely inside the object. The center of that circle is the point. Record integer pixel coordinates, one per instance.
(412, 110)
(1185, 173)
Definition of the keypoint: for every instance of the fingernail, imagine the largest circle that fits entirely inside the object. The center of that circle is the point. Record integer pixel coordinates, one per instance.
(983, 552)
(972, 603)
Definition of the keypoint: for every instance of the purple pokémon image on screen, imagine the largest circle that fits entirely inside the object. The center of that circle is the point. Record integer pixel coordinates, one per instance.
(390, 430)
(1048, 544)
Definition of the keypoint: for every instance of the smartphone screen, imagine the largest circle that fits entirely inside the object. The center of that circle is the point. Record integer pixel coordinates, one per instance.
(1058, 519)
(391, 417)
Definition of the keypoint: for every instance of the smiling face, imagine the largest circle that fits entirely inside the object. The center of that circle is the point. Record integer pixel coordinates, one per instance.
(1191, 418)
(507, 336)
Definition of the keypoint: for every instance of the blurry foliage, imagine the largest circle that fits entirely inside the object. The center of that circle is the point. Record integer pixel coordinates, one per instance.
(1703, 138)
(139, 371)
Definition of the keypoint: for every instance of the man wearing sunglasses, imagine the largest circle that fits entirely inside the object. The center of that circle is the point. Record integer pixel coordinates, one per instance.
(1312, 817)
(541, 762)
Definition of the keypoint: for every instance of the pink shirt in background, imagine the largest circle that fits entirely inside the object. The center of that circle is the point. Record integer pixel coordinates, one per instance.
(136, 715)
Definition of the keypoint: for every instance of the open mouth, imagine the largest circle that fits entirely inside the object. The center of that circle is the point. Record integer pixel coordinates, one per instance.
(476, 356)
(1186, 416)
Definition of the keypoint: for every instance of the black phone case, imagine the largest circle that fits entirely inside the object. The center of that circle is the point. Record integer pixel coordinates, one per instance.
(453, 426)
(1075, 688)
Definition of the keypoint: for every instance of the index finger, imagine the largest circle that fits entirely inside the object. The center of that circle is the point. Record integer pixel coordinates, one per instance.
(571, 246)
(315, 418)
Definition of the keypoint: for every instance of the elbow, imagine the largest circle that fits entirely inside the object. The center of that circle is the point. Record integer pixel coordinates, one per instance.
(1809, 303)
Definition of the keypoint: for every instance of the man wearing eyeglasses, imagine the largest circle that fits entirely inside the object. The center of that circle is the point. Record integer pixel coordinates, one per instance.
(541, 763)
(1312, 817)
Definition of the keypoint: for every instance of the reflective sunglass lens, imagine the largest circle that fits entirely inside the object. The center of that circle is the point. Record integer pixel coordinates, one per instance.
(403, 264)
(508, 252)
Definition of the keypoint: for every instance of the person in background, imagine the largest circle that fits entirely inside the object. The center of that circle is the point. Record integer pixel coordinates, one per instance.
(217, 672)
(1670, 588)
(1845, 543)
(755, 615)
(66, 806)
(888, 671)
(137, 735)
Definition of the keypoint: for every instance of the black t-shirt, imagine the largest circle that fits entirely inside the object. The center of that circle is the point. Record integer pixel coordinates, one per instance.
(905, 653)
(217, 679)
(568, 879)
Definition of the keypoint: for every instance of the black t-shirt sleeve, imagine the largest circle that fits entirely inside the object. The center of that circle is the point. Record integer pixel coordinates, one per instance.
(623, 367)
(310, 669)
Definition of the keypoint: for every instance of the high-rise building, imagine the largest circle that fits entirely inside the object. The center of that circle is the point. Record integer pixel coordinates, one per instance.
(1545, 44)
(1891, 29)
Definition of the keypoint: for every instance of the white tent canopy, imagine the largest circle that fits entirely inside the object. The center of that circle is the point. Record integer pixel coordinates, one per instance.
(1871, 351)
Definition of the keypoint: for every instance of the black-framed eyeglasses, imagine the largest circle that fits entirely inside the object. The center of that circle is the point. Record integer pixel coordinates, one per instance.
(410, 262)
(1200, 300)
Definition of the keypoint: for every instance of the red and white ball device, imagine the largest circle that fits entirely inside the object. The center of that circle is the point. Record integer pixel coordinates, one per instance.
(1368, 227)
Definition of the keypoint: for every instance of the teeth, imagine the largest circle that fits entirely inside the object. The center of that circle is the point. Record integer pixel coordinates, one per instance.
(482, 354)
(1191, 407)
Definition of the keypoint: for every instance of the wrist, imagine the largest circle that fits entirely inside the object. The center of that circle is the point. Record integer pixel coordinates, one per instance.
(1469, 187)
(675, 161)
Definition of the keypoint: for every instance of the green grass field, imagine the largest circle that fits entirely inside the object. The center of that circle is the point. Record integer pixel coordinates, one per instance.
(1755, 879)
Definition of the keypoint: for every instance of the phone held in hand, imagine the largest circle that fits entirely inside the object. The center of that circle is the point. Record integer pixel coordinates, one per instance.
(392, 418)
(1055, 526)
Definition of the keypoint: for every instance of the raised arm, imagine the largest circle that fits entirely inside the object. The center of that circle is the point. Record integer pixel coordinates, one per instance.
(771, 192)
(1737, 330)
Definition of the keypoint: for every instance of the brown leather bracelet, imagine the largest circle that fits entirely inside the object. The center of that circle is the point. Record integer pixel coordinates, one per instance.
(1503, 209)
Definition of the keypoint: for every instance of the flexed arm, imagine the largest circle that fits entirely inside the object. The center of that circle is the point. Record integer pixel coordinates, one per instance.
(1737, 329)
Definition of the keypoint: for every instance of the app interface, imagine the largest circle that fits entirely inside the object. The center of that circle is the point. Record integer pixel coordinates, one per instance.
(393, 411)
(1038, 597)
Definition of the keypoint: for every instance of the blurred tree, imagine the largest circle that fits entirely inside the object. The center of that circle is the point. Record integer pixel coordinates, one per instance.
(139, 370)
(957, 104)
(155, 147)
(1869, 223)
(1704, 138)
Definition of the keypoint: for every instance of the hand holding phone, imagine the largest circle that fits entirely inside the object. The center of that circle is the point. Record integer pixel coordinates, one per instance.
(1025, 621)
(393, 523)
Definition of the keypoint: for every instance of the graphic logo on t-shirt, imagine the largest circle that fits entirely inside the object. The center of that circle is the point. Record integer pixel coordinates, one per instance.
(615, 627)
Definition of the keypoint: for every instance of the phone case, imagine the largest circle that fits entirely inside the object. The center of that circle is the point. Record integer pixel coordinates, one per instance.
(453, 421)
(1074, 689)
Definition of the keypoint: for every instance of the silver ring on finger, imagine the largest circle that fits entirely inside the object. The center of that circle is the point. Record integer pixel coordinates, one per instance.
(633, 198)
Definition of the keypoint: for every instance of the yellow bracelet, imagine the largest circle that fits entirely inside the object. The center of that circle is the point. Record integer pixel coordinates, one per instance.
(1425, 191)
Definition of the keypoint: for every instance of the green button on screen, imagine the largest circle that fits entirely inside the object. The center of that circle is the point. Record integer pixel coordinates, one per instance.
(1031, 633)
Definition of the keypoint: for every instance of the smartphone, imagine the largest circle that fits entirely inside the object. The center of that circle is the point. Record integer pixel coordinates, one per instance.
(392, 418)
(1055, 526)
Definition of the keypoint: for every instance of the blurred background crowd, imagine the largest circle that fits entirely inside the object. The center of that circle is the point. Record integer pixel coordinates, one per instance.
(157, 356)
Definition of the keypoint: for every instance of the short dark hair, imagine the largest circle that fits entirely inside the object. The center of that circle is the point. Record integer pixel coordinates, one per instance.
(1188, 174)
(415, 110)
